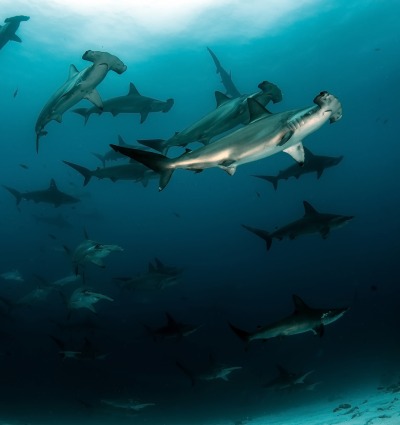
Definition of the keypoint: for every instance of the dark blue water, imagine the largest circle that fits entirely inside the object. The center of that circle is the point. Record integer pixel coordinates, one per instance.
(195, 223)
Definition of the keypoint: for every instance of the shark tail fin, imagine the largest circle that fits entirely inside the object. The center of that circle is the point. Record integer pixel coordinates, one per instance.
(243, 335)
(101, 158)
(263, 234)
(272, 179)
(155, 161)
(86, 173)
(14, 192)
(169, 103)
(84, 112)
(156, 144)
(187, 372)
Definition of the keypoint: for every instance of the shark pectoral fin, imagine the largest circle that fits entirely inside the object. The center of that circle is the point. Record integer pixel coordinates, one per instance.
(324, 232)
(98, 261)
(319, 172)
(228, 166)
(319, 330)
(14, 37)
(285, 138)
(57, 118)
(95, 98)
(296, 152)
(143, 116)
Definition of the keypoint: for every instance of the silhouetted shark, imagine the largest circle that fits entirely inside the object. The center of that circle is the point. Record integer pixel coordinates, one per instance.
(7, 31)
(312, 163)
(266, 135)
(226, 78)
(303, 319)
(51, 195)
(79, 85)
(311, 222)
(132, 103)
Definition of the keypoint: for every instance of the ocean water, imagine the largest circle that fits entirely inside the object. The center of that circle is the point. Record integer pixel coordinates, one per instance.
(348, 49)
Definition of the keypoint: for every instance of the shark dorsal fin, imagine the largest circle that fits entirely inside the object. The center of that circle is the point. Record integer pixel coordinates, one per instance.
(151, 268)
(256, 110)
(72, 71)
(159, 264)
(171, 320)
(299, 305)
(309, 209)
(221, 98)
(121, 141)
(53, 185)
(133, 91)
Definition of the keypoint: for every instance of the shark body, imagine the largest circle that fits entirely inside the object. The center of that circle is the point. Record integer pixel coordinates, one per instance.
(7, 31)
(286, 380)
(312, 222)
(303, 319)
(228, 114)
(79, 85)
(51, 195)
(264, 136)
(131, 171)
(226, 78)
(312, 164)
(132, 103)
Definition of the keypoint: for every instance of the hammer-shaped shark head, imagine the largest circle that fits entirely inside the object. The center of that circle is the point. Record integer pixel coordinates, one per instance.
(329, 104)
(104, 58)
(330, 316)
(273, 91)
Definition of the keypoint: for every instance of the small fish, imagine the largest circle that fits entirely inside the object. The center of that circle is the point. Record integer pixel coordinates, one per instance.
(24, 166)
(15, 93)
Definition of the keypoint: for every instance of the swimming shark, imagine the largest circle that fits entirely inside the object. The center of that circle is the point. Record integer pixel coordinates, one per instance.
(85, 298)
(226, 78)
(79, 85)
(212, 373)
(51, 195)
(89, 251)
(228, 114)
(312, 164)
(312, 222)
(173, 329)
(287, 380)
(111, 154)
(12, 275)
(132, 103)
(7, 31)
(303, 319)
(265, 135)
(129, 405)
(131, 171)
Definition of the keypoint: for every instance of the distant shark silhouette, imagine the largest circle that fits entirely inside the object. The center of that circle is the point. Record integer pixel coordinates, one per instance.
(312, 164)
(311, 222)
(226, 78)
(7, 31)
(303, 319)
(51, 195)
(132, 103)
(111, 154)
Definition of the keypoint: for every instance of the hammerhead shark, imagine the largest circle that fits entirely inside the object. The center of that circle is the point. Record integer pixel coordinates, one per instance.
(7, 31)
(226, 78)
(131, 171)
(79, 85)
(312, 164)
(312, 222)
(228, 114)
(51, 195)
(85, 298)
(265, 135)
(303, 319)
(132, 103)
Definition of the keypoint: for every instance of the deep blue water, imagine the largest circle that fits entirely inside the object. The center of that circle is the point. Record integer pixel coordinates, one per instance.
(195, 223)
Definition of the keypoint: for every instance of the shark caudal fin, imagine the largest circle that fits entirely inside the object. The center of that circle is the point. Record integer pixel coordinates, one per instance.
(86, 173)
(18, 195)
(169, 103)
(263, 234)
(272, 179)
(156, 144)
(243, 335)
(155, 161)
(84, 112)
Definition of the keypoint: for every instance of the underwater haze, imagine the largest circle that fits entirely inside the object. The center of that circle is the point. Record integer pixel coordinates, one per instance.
(253, 292)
